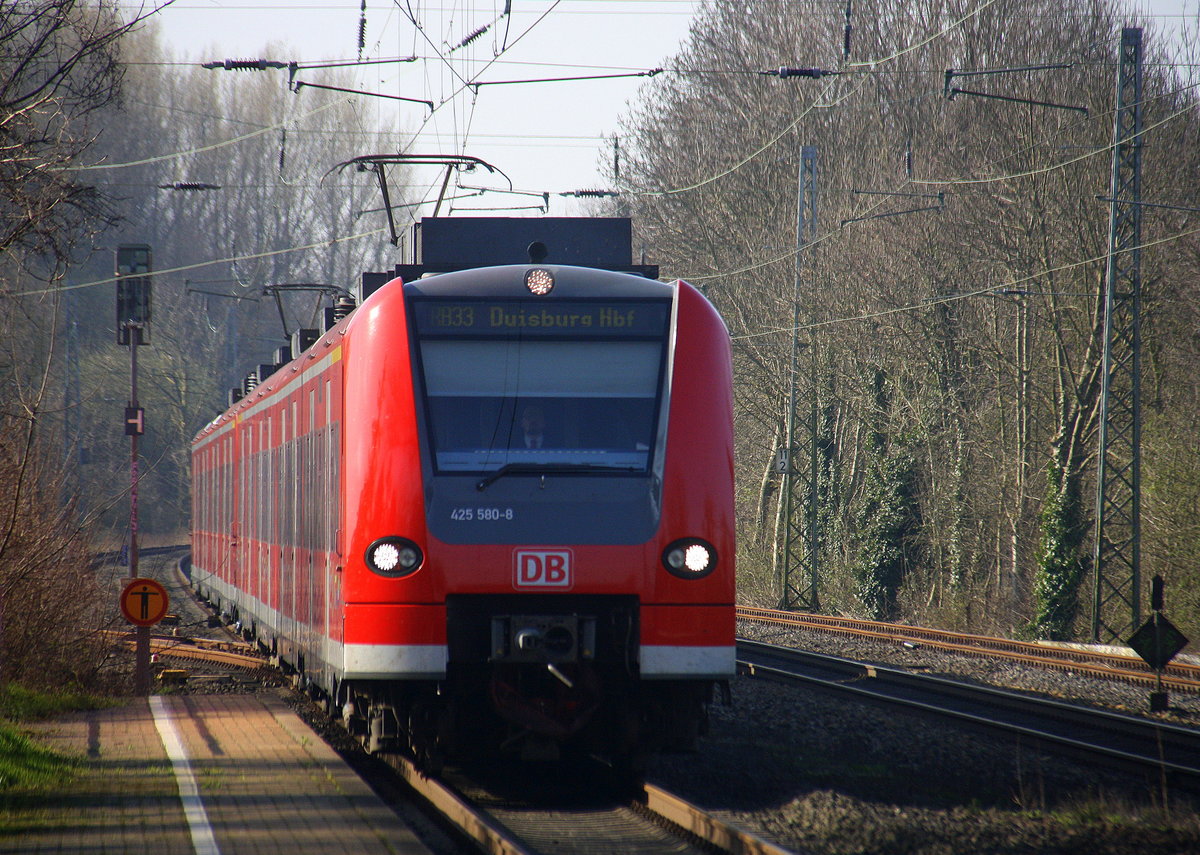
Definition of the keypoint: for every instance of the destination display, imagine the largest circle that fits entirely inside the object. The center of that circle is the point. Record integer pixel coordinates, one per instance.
(523, 317)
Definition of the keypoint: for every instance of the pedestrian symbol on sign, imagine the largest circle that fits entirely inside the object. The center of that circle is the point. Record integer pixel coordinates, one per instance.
(144, 602)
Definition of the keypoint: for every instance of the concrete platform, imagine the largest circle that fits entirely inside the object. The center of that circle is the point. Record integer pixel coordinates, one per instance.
(202, 775)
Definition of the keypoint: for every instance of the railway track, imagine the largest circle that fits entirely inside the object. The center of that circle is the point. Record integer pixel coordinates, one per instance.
(507, 825)
(224, 654)
(1179, 676)
(653, 822)
(1140, 746)
(526, 816)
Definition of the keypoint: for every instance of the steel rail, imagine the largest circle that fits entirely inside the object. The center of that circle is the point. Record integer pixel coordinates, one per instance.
(163, 647)
(711, 830)
(1178, 676)
(1167, 751)
(229, 645)
(493, 838)
(197, 649)
(489, 836)
(475, 825)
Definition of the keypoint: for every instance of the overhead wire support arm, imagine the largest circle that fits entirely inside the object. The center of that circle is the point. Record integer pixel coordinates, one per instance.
(652, 72)
(940, 206)
(950, 91)
(264, 64)
(939, 196)
(951, 73)
(1002, 291)
(1015, 100)
(297, 85)
(1149, 205)
(345, 63)
(189, 289)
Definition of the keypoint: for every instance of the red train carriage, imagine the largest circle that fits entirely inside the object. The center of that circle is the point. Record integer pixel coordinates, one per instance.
(491, 507)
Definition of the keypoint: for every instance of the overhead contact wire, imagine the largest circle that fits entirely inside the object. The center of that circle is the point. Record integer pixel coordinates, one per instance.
(865, 65)
(200, 149)
(321, 244)
(952, 298)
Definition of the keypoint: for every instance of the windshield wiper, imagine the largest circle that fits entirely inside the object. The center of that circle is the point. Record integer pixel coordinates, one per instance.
(510, 468)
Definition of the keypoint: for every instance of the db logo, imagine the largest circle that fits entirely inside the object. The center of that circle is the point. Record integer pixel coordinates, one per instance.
(542, 568)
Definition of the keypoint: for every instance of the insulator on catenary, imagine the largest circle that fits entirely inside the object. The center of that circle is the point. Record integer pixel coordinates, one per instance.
(245, 64)
(189, 185)
(815, 73)
(362, 29)
(849, 28)
(473, 36)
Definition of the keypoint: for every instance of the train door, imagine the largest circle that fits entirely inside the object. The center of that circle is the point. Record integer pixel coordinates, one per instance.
(307, 500)
(295, 567)
(225, 520)
(252, 532)
(292, 568)
(263, 485)
(287, 587)
(220, 546)
(327, 515)
(242, 531)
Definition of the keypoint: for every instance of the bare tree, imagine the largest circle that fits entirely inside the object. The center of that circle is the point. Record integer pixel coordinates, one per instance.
(225, 174)
(952, 297)
(58, 67)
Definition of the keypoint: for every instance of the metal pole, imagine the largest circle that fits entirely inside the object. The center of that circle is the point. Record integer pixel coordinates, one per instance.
(1116, 605)
(141, 668)
(797, 568)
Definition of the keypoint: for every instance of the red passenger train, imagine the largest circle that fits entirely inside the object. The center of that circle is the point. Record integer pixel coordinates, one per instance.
(491, 507)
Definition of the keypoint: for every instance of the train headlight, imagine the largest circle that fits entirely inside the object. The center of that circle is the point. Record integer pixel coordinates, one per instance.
(690, 558)
(394, 556)
(539, 282)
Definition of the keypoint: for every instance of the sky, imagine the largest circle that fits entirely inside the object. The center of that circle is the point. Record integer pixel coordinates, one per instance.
(546, 137)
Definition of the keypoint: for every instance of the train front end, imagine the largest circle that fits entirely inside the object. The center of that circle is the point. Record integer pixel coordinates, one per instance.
(568, 579)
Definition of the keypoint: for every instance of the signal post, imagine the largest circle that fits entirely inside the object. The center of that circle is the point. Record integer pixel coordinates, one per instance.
(133, 267)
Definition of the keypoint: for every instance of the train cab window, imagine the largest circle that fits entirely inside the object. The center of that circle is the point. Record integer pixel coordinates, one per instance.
(500, 401)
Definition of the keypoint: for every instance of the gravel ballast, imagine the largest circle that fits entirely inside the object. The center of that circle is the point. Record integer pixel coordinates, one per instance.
(821, 774)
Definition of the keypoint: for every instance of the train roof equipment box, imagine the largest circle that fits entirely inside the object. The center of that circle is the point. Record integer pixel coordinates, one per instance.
(443, 244)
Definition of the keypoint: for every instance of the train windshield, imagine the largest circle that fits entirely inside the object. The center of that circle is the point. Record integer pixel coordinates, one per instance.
(540, 397)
